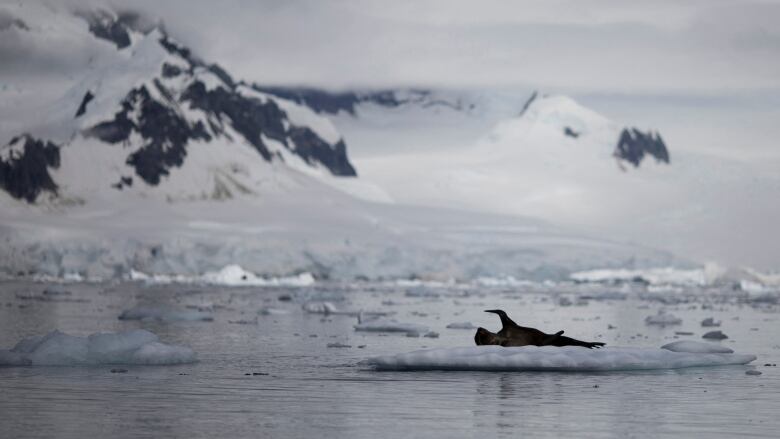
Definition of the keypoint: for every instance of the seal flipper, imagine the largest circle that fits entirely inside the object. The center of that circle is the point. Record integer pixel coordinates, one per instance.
(506, 322)
(551, 338)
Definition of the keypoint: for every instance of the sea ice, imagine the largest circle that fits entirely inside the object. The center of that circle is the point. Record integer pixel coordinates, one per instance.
(567, 358)
(389, 325)
(164, 314)
(270, 311)
(696, 347)
(56, 348)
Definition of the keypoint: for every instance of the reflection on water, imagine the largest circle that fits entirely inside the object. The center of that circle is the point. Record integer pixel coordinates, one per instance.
(315, 391)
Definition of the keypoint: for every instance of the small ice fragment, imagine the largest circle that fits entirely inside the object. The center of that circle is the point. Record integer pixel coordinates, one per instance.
(696, 347)
(338, 345)
(461, 325)
(752, 372)
(389, 325)
(683, 333)
(164, 314)
(421, 292)
(118, 370)
(715, 335)
(413, 334)
(431, 334)
(56, 292)
(270, 311)
(319, 307)
(663, 319)
(709, 322)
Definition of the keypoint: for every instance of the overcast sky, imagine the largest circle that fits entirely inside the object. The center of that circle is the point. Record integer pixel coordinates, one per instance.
(707, 72)
(706, 47)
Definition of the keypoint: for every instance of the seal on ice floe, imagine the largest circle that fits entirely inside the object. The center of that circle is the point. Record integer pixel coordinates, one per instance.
(511, 334)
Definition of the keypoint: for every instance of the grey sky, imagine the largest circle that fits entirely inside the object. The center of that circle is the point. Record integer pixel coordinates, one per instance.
(708, 47)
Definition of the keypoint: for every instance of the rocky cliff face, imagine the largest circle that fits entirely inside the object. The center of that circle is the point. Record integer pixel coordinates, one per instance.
(633, 145)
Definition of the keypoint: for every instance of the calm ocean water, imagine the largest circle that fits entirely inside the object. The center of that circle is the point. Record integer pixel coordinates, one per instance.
(303, 388)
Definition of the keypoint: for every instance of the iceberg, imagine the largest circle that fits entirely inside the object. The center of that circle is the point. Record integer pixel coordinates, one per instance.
(550, 358)
(136, 347)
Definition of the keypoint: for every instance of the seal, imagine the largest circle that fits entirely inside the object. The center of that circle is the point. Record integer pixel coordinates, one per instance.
(512, 334)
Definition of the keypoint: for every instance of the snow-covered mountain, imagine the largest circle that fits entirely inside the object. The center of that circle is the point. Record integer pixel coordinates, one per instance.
(131, 154)
(550, 157)
(147, 116)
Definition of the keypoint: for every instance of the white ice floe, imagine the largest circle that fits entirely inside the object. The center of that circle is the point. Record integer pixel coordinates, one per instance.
(165, 314)
(550, 358)
(663, 319)
(696, 347)
(461, 325)
(389, 325)
(56, 348)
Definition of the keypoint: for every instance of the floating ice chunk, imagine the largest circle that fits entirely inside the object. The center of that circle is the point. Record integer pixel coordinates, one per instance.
(270, 311)
(431, 334)
(663, 319)
(461, 325)
(709, 322)
(421, 291)
(567, 358)
(319, 307)
(130, 347)
(696, 347)
(389, 325)
(164, 314)
(752, 372)
(338, 345)
(715, 335)
(328, 308)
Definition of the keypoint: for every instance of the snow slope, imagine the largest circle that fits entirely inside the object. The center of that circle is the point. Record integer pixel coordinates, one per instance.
(552, 158)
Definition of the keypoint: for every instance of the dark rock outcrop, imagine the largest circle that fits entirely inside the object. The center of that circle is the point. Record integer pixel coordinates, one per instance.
(633, 145)
(24, 172)
(313, 149)
(88, 96)
(570, 132)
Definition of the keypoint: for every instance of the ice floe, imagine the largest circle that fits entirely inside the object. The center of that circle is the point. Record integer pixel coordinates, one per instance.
(139, 347)
(696, 347)
(164, 314)
(568, 358)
